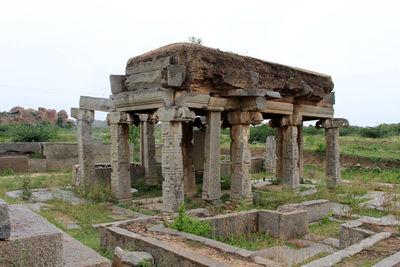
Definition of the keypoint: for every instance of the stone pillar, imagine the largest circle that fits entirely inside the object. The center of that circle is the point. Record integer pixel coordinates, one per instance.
(270, 158)
(240, 152)
(331, 127)
(211, 176)
(171, 158)
(199, 138)
(290, 151)
(148, 150)
(84, 119)
(189, 178)
(300, 142)
(120, 175)
(278, 146)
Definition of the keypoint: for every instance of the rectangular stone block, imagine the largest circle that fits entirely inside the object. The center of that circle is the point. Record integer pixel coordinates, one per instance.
(5, 223)
(352, 233)
(234, 224)
(33, 242)
(257, 164)
(36, 165)
(293, 224)
(268, 222)
(316, 209)
(17, 164)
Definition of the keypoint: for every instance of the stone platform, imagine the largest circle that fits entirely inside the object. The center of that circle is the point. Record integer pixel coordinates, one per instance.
(36, 242)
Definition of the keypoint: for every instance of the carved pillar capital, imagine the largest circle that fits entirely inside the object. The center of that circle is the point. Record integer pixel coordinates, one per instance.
(332, 123)
(245, 117)
(291, 120)
(168, 114)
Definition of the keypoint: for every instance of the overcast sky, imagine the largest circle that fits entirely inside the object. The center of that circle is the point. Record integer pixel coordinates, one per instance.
(51, 52)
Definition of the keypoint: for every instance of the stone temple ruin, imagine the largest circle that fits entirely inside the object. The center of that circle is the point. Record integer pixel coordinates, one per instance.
(185, 87)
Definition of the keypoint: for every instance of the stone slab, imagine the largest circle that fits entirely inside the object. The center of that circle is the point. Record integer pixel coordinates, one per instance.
(44, 194)
(36, 165)
(293, 224)
(34, 241)
(392, 261)
(75, 254)
(316, 209)
(15, 163)
(5, 223)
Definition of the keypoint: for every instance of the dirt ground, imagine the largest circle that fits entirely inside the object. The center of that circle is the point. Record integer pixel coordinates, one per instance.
(187, 245)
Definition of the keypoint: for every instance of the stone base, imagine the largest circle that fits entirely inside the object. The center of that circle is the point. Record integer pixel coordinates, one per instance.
(33, 242)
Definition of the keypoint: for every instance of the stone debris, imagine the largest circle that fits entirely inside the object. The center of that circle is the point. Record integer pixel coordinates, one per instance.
(331, 242)
(5, 222)
(134, 258)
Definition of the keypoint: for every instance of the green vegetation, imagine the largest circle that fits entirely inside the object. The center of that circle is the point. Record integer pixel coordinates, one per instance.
(325, 228)
(260, 133)
(185, 223)
(253, 241)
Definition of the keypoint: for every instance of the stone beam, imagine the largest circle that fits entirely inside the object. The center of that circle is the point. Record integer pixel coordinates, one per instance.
(211, 174)
(314, 112)
(251, 92)
(278, 108)
(331, 127)
(148, 99)
(84, 119)
(246, 103)
(120, 175)
(96, 103)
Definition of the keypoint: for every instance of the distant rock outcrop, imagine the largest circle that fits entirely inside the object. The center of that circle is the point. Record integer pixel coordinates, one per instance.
(20, 115)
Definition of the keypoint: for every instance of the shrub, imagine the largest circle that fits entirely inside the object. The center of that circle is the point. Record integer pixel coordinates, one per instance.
(41, 132)
(321, 147)
(311, 130)
(260, 133)
(192, 225)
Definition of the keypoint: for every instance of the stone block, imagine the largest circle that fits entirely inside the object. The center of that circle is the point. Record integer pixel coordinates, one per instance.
(60, 156)
(200, 212)
(17, 164)
(176, 75)
(134, 258)
(33, 240)
(257, 164)
(36, 165)
(145, 80)
(226, 169)
(293, 224)
(268, 222)
(352, 233)
(234, 224)
(19, 149)
(316, 209)
(96, 103)
(117, 83)
(5, 223)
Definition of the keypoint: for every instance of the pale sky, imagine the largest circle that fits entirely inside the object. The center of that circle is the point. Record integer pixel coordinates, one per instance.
(51, 52)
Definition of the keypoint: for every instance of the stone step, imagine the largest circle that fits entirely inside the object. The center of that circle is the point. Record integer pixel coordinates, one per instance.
(36, 242)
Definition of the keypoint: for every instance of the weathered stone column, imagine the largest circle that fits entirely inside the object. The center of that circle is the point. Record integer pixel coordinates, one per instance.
(278, 147)
(270, 157)
(240, 152)
(211, 176)
(300, 142)
(331, 127)
(171, 158)
(84, 119)
(148, 150)
(199, 138)
(290, 151)
(189, 178)
(120, 176)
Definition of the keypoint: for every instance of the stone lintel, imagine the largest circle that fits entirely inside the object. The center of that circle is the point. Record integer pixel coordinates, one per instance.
(314, 112)
(281, 108)
(117, 83)
(251, 92)
(245, 117)
(332, 123)
(291, 120)
(200, 101)
(82, 114)
(146, 99)
(96, 103)
(165, 114)
(256, 103)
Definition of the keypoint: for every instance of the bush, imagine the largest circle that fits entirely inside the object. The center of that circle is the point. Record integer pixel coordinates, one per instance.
(260, 133)
(311, 130)
(41, 132)
(192, 225)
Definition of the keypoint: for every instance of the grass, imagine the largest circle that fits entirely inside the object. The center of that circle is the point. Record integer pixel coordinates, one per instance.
(325, 228)
(252, 241)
